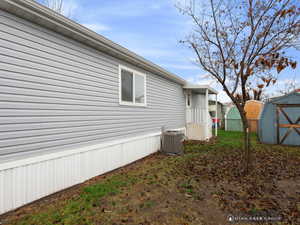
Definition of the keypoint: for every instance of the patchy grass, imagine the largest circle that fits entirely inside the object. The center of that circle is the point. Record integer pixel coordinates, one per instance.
(201, 187)
(80, 208)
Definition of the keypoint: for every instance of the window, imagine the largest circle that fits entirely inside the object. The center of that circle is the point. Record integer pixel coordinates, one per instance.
(132, 87)
(127, 85)
(139, 89)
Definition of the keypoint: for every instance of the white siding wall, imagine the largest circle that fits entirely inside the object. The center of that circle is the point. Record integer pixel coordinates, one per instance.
(57, 94)
(196, 115)
(27, 180)
(60, 118)
(198, 101)
(199, 123)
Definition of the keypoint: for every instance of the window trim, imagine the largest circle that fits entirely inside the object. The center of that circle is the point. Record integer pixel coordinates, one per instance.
(135, 73)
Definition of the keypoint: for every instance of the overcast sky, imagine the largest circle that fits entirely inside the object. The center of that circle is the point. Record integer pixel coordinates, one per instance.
(152, 29)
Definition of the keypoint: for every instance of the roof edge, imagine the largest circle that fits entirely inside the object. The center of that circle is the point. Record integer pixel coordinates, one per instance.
(199, 86)
(296, 92)
(257, 101)
(39, 14)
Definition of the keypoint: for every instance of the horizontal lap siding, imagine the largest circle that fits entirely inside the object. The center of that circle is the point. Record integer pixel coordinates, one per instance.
(57, 94)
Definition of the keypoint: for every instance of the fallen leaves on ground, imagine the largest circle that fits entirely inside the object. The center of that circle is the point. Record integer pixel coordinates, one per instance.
(270, 188)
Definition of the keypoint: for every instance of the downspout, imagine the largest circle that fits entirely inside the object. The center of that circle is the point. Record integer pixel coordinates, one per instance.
(216, 116)
(206, 114)
(225, 118)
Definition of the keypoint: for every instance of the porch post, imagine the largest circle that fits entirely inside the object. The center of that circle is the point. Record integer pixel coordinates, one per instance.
(216, 115)
(207, 113)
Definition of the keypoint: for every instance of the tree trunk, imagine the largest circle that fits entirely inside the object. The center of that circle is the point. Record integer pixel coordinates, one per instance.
(247, 147)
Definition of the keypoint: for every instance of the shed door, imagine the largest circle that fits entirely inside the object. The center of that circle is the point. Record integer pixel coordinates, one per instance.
(288, 124)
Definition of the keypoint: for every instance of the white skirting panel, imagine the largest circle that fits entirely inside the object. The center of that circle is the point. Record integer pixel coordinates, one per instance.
(27, 180)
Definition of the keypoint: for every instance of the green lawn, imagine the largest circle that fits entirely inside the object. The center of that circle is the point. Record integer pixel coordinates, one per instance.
(201, 187)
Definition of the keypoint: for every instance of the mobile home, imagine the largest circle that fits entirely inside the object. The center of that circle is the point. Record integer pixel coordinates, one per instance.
(74, 105)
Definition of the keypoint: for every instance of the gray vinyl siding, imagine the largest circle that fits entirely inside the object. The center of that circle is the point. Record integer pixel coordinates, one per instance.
(57, 94)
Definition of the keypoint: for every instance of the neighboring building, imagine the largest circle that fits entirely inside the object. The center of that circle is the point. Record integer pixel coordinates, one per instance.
(75, 105)
(280, 120)
(253, 109)
(227, 106)
(220, 112)
(233, 121)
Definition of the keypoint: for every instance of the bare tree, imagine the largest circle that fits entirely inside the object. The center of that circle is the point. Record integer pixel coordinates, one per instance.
(289, 86)
(297, 44)
(241, 43)
(58, 6)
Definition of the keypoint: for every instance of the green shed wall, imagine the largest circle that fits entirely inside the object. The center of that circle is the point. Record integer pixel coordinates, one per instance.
(233, 120)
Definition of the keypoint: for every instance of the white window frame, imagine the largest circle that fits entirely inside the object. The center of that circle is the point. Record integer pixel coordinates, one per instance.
(135, 73)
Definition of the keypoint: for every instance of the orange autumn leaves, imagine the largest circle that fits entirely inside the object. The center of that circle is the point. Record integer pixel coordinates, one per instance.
(276, 61)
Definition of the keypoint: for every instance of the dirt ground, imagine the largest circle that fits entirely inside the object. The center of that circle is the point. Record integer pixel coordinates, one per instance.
(204, 186)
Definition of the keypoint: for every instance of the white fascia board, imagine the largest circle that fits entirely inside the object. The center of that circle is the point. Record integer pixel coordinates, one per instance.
(199, 87)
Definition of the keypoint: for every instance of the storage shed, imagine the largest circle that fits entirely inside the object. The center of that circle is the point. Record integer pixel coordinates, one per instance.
(280, 120)
(233, 121)
(253, 109)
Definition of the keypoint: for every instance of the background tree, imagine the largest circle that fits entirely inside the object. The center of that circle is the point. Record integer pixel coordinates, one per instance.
(241, 43)
(58, 6)
(297, 44)
(288, 86)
